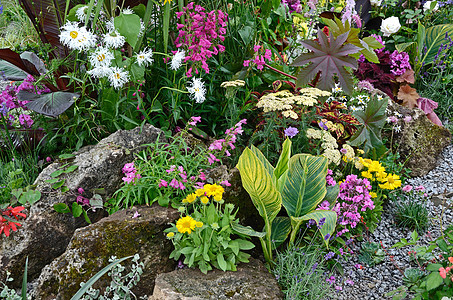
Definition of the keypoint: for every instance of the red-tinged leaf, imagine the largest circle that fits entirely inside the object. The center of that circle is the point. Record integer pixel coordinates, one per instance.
(15, 59)
(407, 77)
(328, 56)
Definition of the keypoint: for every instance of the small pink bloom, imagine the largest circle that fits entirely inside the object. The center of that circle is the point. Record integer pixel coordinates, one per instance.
(407, 188)
(48, 159)
(80, 190)
(225, 183)
(443, 273)
(163, 183)
(420, 188)
(407, 119)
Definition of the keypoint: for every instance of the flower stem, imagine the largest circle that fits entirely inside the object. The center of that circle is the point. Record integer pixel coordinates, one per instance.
(281, 72)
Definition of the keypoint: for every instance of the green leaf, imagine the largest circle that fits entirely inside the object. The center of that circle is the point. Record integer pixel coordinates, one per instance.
(403, 46)
(282, 164)
(66, 156)
(433, 281)
(246, 34)
(414, 236)
(258, 183)
(58, 184)
(166, 25)
(71, 169)
(281, 227)
(187, 250)
(76, 209)
(30, 197)
(24, 281)
(95, 278)
(435, 37)
(248, 231)
(56, 174)
(329, 56)
(372, 120)
(434, 267)
(305, 184)
(221, 261)
(245, 245)
(329, 225)
(85, 216)
(267, 165)
(51, 104)
(129, 27)
(234, 246)
(61, 208)
(332, 193)
(443, 245)
(137, 72)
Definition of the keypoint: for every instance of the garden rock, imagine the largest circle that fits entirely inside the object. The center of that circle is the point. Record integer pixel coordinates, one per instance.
(420, 140)
(45, 234)
(250, 281)
(122, 234)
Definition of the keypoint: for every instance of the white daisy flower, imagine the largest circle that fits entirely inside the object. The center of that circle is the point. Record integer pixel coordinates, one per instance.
(177, 59)
(142, 28)
(127, 11)
(100, 72)
(379, 97)
(77, 38)
(197, 90)
(145, 57)
(118, 77)
(114, 40)
(337, 88)
(110, 25)
(101, 57)
(81, 13)
(397, 128)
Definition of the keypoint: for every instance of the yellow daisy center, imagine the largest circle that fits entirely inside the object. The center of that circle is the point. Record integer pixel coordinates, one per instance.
(117, 75)
(101, 57)
(74, 34)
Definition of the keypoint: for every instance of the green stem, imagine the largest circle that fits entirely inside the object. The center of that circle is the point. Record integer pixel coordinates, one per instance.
(281, 72)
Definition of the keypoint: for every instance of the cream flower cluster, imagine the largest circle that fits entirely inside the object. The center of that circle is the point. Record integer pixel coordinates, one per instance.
(233, 83)
(328, 143)
(285, 100)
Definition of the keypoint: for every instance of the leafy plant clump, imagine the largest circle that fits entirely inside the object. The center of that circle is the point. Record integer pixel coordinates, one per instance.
(412, 215)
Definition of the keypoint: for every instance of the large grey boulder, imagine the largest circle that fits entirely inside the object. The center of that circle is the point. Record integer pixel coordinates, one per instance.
(120, 235)
(420, 141)
(250, 281)
(45, 234)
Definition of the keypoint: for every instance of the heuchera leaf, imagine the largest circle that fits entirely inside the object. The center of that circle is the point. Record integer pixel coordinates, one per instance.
(330, 57)
(372, 119)
(408, 95)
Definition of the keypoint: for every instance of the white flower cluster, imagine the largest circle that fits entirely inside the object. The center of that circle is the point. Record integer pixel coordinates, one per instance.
(197, 90)
(100, 49)
(328, 143)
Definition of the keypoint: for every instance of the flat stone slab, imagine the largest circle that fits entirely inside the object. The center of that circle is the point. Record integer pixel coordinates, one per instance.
(250, 281)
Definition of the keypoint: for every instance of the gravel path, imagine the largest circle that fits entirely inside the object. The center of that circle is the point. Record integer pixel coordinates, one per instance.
(373, 282)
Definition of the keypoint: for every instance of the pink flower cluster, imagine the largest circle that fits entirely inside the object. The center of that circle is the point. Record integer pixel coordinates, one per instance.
(329, 179)
(201, 34)
(9, 101)
(176, 183)
(222, 144)
(260, 59)
(355, 197)
(131, 173)
(399, 63)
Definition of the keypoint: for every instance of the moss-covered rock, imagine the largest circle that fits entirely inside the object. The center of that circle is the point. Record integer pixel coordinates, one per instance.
(119, 235)
(420, 141)
(250, 281)
(45, 234)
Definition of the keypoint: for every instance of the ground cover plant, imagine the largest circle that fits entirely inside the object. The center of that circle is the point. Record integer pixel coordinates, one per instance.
(299, 96)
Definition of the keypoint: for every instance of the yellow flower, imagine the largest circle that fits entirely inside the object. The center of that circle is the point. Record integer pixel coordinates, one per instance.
(170, 235)
(373, 194)
(199, 224)
(365, 162)
(375, 166)
(167, 1)
(186, 224)
(214, 190)
(190, 198)
(204, 200)
(381, 176)
(367, 174)
(360, 151)
(391, 182)
(200, 192)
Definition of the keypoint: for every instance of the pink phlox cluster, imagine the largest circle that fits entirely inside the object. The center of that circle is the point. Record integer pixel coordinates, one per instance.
(194, 120)
(329, 179)
(355, 197)
(131, 173)
(222, 145)
(260, 59)
(178, 181)
(293, 5)
(201, 34)
(399, 62)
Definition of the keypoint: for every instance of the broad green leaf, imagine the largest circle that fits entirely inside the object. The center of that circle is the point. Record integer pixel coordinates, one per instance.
(72, 13)
(433, 280)
(58, 184)
(282, 164)
(329, 56)
(326, 230)
(221, 261)
(95, 278)
(76, 209)
(258, 183)
(247, 230)
(372, 120)
(332, 193)
(30, 197)
(421, 36)
(234, 246)
(443, 245)
(281, 227)
(56, 173)
(245, 245)
(71, 169)
(434, 267)
(66, 156)
(129, 27)
(267, 165)
(61, 208)
(51, 104)
(166, 25)
(435, 37)
(305, 184)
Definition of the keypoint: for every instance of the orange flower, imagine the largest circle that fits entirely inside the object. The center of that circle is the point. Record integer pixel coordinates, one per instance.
(443, 272)
(450, 259)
